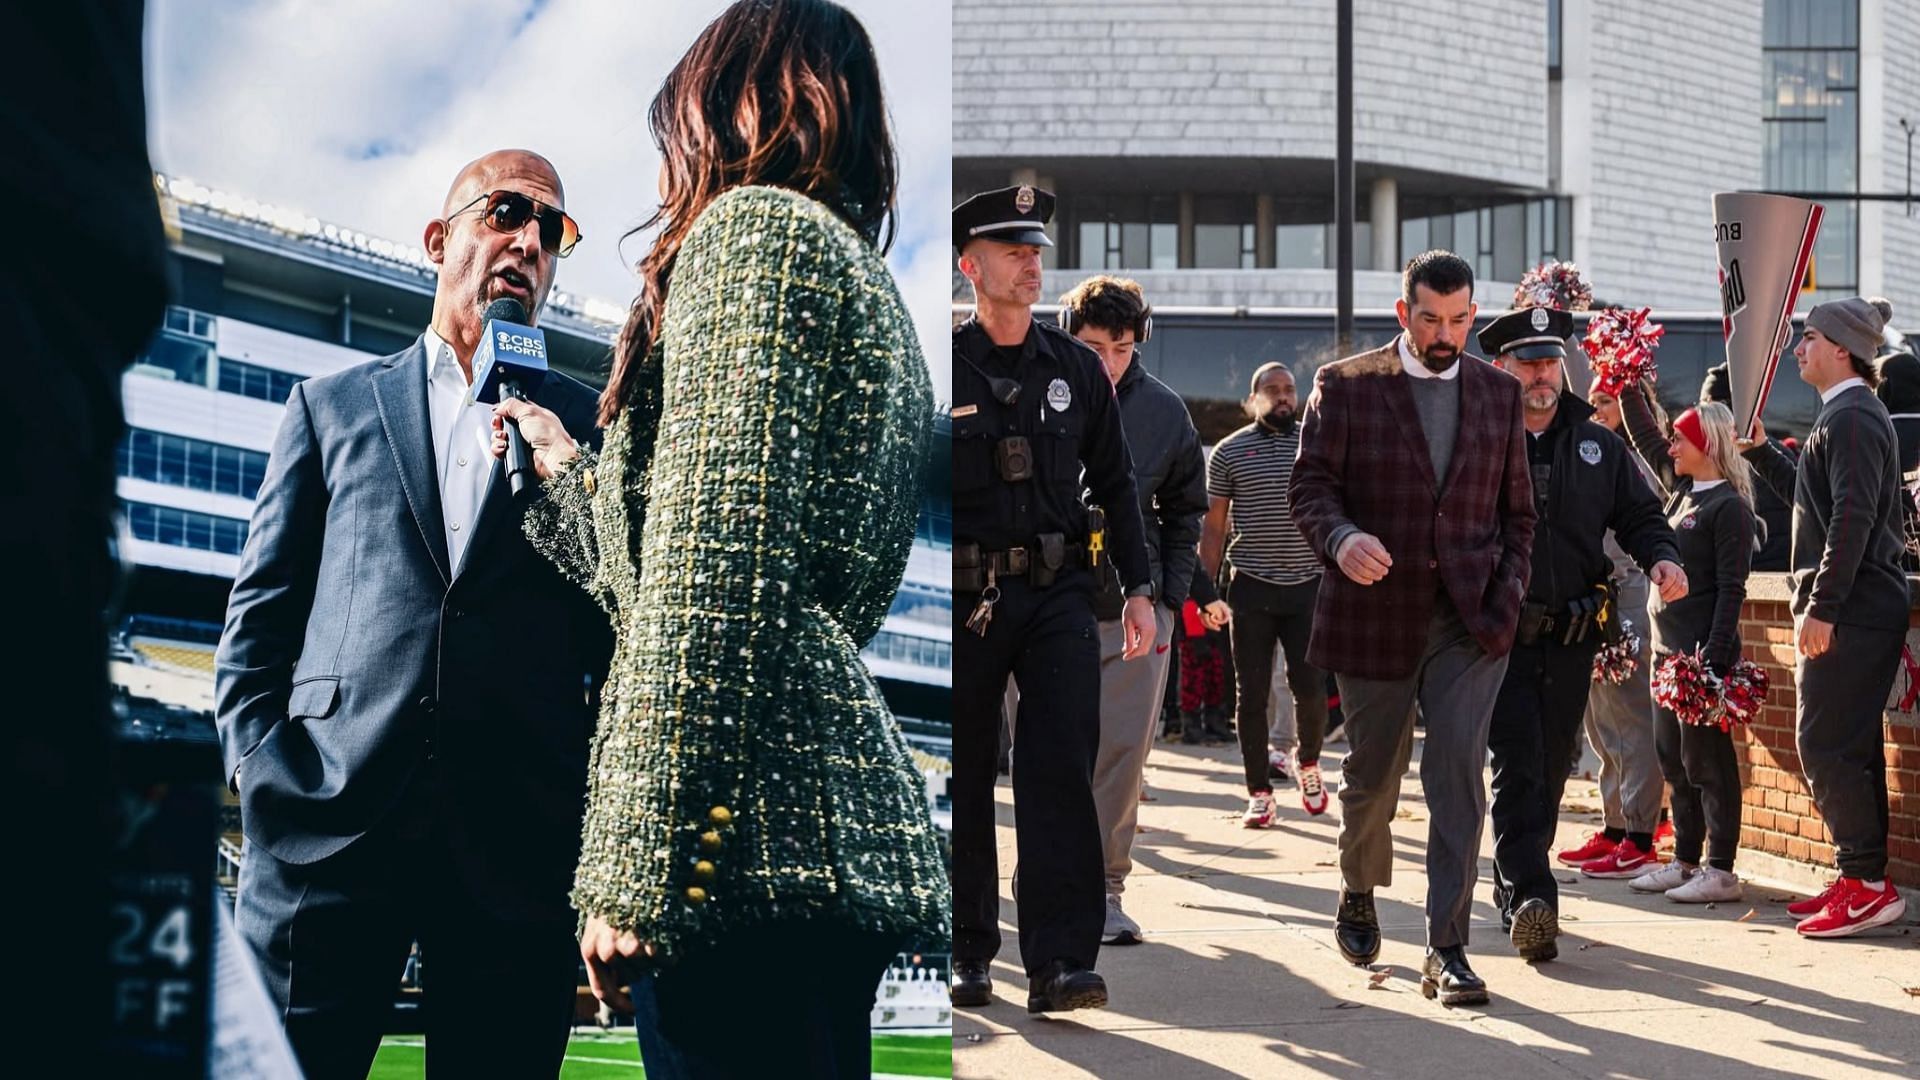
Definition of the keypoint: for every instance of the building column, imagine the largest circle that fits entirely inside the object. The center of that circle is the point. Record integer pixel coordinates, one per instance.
(1263, 230)
(1385, 218)
(1870, 232)
(1186, 229)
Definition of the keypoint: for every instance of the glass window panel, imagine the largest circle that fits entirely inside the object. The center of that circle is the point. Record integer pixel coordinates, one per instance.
(1093, 244)
(1413, 238)
(1466, 234)
(1134, 249)
(1509, 241)
(1166, 246)
(1300, 247)
(1363, 245)
(169, 529)
(1216, 246)
(1442, 235)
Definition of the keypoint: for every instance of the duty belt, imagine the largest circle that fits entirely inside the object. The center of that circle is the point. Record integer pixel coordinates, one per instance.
(1014, 562)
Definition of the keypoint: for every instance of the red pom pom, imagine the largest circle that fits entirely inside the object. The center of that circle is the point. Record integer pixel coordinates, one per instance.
(1681, 686)
(1620, 345)
(1616, 663)
(1743, 693)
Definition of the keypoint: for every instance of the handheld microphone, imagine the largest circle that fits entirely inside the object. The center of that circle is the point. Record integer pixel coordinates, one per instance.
(511, 362)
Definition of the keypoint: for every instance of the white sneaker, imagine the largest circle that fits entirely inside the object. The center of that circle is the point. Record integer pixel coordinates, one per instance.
(1120, 928)
(1259, 813)
(1671, 876)
(1313, 790)
(1708, 886)
(1279, 766)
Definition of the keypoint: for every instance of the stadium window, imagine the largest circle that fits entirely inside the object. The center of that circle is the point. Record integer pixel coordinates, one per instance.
(254, 381)
(191, 463)
(185, 528)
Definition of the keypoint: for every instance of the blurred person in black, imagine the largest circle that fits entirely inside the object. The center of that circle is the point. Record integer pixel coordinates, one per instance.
(80, 297)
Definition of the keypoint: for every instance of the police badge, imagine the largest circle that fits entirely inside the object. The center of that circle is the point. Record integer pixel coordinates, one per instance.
(1059, 395)
(1540, 318)
(1589, 451)
(1023, 199)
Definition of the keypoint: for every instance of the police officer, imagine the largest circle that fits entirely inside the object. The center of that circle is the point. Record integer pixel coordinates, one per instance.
(1584, 483)
(1032, 408)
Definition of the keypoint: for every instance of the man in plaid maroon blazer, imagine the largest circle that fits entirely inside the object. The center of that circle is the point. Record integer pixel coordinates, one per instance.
(1412, 484)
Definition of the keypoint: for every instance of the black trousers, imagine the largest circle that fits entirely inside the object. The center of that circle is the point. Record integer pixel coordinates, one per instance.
(1266, 614)
(1047, 640)
(1702, 771)
(688, 1030)
(331, 939)
(1536, 719)
(1842, 699)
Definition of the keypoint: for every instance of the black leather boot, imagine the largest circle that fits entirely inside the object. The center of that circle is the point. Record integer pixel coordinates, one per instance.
(1064, 985)
(1535, 925)
(1356, 929)
(972, 987)
(1447, 977)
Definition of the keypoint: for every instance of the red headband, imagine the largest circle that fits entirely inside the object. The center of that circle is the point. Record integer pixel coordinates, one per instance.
(1689, 425)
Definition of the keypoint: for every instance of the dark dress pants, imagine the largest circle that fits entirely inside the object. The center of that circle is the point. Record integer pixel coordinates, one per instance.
(1046, 638)
(1536, 721)
(331, 939)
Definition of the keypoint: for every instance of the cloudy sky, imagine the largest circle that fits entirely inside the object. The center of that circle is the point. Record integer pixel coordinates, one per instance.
(359, 112)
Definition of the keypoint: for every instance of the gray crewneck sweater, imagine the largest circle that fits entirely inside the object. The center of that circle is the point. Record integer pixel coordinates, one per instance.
(1439, 403)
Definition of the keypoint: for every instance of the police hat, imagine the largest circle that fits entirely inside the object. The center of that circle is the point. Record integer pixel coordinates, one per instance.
(1528, 334)
(1014, 215)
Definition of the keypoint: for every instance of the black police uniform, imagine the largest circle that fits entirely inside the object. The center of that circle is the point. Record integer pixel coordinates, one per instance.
(1020, 529)
(1584, 483)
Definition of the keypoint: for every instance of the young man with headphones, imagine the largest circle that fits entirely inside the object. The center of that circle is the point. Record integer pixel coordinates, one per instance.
(1110, 316)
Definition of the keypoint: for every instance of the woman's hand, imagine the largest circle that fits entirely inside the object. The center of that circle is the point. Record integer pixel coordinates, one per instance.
(599, 944)
(546, 436)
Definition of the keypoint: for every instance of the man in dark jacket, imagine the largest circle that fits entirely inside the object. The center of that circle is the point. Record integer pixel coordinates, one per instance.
(1850, 607)
(1110, 315)
(1584, 484)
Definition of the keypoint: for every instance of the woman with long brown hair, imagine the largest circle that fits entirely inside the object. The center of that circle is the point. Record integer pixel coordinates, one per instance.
(752, 805)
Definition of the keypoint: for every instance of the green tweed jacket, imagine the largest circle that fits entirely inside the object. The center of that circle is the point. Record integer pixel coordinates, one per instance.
(746, 525)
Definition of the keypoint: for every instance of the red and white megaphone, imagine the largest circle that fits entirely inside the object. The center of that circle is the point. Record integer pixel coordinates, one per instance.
(1764, 244)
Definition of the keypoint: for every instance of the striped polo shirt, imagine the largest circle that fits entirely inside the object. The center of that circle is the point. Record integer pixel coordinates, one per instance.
(1252, 467)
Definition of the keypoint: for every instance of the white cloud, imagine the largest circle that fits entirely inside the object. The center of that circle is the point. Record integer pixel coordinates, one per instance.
(359, 112)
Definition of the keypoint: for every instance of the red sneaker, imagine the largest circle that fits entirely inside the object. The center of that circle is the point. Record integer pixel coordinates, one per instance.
(1626, 860)
(1852, 907)
(1800, 909)
(1597, 846)
(1663, 836)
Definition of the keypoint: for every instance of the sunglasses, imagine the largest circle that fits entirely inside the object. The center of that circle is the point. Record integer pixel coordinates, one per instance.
(508, 212)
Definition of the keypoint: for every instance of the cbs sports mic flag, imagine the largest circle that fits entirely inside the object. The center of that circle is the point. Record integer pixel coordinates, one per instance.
(1764, 244)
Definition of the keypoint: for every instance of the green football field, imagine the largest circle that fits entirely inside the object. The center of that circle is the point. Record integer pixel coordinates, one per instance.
(596, 1056)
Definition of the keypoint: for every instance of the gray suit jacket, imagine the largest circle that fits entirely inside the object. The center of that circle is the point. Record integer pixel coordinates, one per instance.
(353, 652)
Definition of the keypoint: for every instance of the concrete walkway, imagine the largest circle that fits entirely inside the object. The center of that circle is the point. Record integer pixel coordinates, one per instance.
(1239, 975)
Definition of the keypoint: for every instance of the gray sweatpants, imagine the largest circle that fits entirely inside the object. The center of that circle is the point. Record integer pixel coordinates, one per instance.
(1130, 692)
(1620, 727)
(1454, 685)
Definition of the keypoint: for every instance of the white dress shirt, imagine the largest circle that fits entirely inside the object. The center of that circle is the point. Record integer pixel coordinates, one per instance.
(1420, 370)
(1841, 387)
(462, 438)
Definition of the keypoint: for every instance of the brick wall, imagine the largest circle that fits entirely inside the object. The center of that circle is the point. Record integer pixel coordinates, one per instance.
(1779, 816)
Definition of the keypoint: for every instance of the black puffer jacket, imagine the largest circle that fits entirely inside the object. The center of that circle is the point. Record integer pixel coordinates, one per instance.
(1171, 476)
